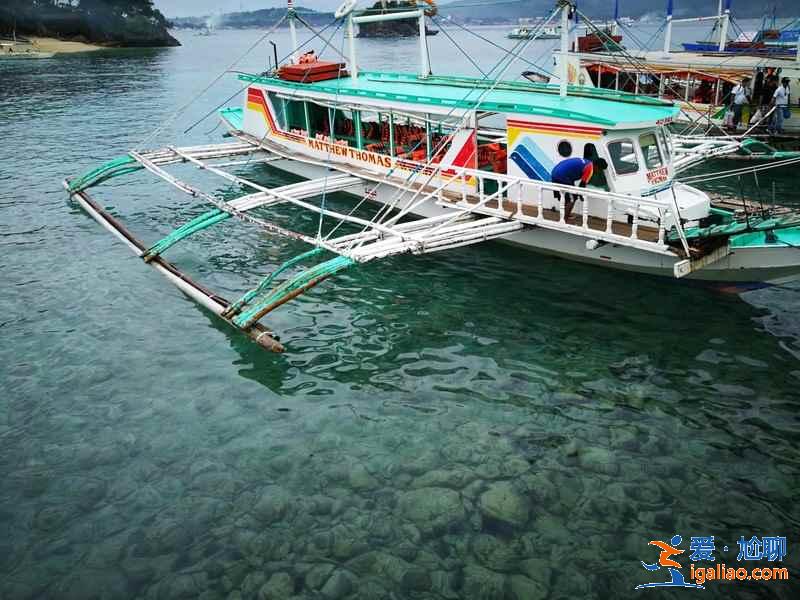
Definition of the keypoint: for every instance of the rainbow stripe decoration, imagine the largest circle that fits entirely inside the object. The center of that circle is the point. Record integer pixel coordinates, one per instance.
(257, 102)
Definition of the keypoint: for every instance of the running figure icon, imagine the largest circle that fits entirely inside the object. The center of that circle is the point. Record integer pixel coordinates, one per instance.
(664, 560)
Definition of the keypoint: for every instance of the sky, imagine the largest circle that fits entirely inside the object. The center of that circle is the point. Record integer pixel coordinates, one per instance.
(188, 8)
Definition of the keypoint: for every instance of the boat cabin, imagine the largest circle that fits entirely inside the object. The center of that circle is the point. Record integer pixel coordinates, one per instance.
(396, 124)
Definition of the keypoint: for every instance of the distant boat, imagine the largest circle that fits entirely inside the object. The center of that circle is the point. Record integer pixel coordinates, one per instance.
(526, 32)
(17, 50)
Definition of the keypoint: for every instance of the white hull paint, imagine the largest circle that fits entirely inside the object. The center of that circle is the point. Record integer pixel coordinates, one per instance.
(769, 265)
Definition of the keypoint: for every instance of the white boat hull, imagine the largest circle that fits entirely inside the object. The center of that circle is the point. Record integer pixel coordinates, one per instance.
(745, 267)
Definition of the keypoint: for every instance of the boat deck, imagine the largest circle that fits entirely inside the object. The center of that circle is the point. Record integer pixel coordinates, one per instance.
(492, 207)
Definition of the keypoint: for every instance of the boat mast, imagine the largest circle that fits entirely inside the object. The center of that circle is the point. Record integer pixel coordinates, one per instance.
(351, 34)
(668, 32)
(566, 5)
(424, 64)
(292, 29)
(724, 19)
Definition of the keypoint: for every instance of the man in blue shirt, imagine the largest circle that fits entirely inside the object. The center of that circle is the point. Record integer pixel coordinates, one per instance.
(570, 171)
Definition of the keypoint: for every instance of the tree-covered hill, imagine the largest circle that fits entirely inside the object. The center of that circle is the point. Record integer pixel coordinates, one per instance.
(251, 19)
(107, 22)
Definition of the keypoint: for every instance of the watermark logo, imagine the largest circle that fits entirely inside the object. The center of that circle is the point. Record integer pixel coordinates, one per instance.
(665, 561)
(702, 548)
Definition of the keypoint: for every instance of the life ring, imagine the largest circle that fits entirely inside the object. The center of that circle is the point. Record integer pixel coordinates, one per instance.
(345, 8)
(432, 11)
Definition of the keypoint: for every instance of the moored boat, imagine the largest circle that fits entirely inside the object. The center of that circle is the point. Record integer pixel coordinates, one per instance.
(14, 49)
(589, 175)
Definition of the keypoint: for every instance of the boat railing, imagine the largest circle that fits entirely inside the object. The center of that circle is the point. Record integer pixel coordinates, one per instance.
(647, 219)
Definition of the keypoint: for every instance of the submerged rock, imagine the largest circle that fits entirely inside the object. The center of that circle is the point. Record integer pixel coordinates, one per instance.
(482, 584)
(494, 553)
(501, 501)
(599, 460)
(456, 478)
(318, 575)
(446, 584)
(338, 585)
(273, 504)
(279, 587)
(361, 479)
(523, 588)
(432, 508)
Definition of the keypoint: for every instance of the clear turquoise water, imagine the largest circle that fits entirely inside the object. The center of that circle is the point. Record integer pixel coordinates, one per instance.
(482, 423)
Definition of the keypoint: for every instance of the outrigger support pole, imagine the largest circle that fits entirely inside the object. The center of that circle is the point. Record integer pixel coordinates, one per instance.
(209, 300)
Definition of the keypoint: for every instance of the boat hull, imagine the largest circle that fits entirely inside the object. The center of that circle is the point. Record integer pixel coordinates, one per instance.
(743, 268)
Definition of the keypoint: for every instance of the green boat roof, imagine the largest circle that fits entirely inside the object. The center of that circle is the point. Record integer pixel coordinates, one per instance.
(607, 108)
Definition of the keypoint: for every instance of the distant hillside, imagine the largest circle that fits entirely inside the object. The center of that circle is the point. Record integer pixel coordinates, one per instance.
(250, 19)
(106, 22)
(499, 11)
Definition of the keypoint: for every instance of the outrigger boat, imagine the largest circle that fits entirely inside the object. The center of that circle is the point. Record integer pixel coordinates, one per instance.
(446, 162)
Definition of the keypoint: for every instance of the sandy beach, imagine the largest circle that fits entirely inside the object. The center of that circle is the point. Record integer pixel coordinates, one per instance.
(46, 44)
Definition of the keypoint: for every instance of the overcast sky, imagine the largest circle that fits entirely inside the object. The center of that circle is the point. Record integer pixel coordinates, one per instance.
(187, 8)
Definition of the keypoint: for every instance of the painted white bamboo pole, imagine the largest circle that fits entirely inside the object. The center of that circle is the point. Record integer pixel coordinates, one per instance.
(351, 34)
(723, 30)
(424, 59)
(292, 30)
(668, 35)
(562, 89)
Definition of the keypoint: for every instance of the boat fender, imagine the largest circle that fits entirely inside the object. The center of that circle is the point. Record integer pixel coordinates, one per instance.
(345, 8)
(594, 244)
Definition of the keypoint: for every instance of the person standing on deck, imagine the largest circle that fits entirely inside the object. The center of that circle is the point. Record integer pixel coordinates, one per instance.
(780, 99)
(741, 96)
(567, 172)
(768, 89)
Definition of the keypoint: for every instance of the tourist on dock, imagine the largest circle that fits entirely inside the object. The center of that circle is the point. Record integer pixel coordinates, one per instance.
(741, 96)
(768, 91)
(780, 99)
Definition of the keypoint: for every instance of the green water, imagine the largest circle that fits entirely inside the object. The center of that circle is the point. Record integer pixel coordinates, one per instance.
(480, 423)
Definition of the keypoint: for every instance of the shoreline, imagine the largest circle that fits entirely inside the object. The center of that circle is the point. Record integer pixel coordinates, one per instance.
(49, 44)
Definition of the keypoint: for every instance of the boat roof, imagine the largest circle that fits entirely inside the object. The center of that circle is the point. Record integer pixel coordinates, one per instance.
(710, 73)
(597, 106)
(696, 60)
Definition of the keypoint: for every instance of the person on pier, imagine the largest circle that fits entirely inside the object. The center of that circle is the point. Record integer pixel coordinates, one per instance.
(780, 99)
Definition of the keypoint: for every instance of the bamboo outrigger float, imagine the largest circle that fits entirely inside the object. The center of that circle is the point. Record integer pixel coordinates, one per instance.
(452, 161)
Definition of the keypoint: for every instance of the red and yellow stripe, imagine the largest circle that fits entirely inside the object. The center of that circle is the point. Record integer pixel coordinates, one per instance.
(516, 127)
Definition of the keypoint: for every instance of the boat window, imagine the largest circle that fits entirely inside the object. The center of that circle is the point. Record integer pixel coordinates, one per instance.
(279, 106)
(564, 148)
(651, 151)
(598, 175)
(623, 157)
